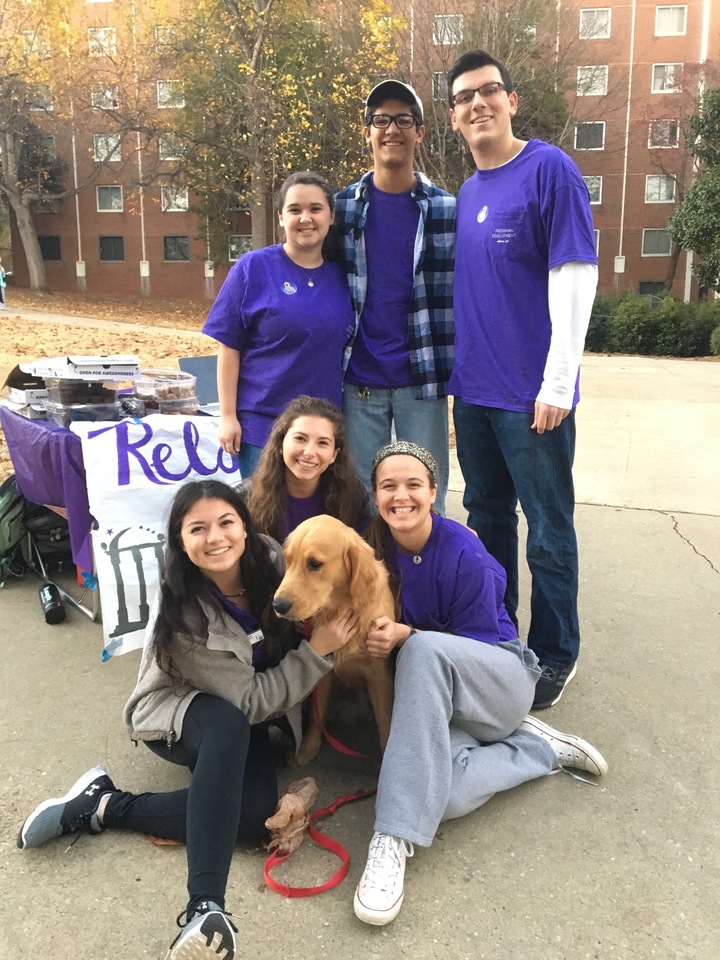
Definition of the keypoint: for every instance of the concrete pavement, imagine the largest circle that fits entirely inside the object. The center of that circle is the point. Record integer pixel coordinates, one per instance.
(626, 870)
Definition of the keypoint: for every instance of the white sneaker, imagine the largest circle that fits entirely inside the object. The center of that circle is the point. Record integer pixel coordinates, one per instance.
(380, 893)
(570, 751)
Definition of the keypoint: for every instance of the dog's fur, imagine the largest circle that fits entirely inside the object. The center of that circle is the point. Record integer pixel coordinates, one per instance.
(330, 566)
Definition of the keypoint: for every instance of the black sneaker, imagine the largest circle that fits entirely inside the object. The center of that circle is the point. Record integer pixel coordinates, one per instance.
(76, 811)
(207, 935)
(551, 685)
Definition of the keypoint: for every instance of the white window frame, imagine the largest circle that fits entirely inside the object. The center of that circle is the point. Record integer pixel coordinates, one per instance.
(663, 146)
(102, 41)
(233, 253)
(448, 29)
(589, 32)
(35, 45)
(591, 77)
(676, 74)
(597, 182)
(650, 230)
(104, 98)
(664, 32)
(439, 85)
(174, 198)
(657, 177)
(109, 186)
(112, 147)
(590, 123)
(169, 147)
(164, 99)
(163, 36)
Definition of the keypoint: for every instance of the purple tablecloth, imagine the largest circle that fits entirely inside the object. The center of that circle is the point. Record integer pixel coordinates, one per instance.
(49, 469)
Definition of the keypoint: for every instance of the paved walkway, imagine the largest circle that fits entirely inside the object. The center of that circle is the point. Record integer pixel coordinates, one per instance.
(627, 870)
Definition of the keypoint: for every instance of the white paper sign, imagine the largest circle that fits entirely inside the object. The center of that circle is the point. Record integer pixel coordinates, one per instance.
(133, 469)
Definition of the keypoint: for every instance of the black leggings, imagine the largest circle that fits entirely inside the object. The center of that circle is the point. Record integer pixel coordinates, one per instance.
(233, 790)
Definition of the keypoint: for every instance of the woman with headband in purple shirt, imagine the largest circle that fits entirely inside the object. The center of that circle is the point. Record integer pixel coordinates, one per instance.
(464, 681)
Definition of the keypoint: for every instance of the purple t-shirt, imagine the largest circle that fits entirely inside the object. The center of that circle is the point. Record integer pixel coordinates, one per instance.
(457, 587)
(290, 336)
(380, 355)
(250, 625)
(302, 508)
(514, 224)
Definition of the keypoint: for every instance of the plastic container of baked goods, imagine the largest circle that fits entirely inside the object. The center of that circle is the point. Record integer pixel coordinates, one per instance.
(68, 391)
(185, 405)
(66, 413)
(156, 385)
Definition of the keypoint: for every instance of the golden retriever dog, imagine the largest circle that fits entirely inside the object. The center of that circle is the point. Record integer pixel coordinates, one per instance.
(330, 566)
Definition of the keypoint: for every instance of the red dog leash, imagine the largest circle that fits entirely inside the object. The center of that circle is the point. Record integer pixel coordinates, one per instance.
(327, 843)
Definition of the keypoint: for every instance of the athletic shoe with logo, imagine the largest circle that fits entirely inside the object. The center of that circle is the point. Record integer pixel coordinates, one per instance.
(551, 685)
(73, 813)
(381, 890)
(207, 935)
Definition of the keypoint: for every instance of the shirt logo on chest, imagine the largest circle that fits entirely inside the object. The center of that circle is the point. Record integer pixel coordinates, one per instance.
(482, 216)
(288, 288)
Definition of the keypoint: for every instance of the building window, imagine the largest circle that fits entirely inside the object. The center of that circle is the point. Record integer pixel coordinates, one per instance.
(448, 29)
(670, 21)
(104, 98)
(176, 248)
(112, 248)
(667, 77)
(164, 38)
(170, 147)
(170, 94)
(106, 147)
(659, 188)
(651, 288)
(594, 185)
(46, 146)
(595, 23)
(109, 199)
(656, 243)
(102, 41)
(174, 198)
(592, 81)
(590, 136)
(439, 86)
(238, 244)
(597, 242)
(34, 46)
(664, 133)
(50, 247)
(39, 97)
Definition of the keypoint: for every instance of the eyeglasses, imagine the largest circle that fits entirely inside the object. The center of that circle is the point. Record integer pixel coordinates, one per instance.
(403, 121)
(487, 91)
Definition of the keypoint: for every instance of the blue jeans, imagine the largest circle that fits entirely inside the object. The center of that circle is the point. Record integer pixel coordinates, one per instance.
(248, 458)
(503, 461)
(369, 419)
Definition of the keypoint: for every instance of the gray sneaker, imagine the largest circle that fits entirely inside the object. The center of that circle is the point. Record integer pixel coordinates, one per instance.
(571, 751)
(75, 812)
(208, 935)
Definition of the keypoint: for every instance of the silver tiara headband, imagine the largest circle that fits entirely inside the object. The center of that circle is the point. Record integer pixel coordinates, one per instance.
(411, 450)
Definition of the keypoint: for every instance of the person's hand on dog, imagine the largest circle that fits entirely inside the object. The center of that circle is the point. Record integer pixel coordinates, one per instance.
(331, 636)
(384, 635)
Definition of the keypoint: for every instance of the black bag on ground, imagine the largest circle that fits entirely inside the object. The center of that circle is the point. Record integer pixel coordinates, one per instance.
(12, 530)
(50, 533)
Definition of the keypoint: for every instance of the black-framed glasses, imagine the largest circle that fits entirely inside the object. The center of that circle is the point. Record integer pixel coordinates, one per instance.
(488, 90)
(403, 121)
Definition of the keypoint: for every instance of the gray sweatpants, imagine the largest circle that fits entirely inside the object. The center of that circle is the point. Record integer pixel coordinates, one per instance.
(454, 740)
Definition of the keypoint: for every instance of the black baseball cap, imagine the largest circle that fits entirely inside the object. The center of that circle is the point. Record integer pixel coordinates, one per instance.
(394, 90)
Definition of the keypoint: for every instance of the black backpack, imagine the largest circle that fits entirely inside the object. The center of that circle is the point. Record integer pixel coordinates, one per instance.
(12, 530)
(50, 534)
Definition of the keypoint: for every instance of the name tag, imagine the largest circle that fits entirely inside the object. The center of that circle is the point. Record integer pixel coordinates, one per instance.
(256, 637)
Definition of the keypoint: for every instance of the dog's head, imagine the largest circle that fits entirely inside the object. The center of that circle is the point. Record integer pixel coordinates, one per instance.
(329, 566)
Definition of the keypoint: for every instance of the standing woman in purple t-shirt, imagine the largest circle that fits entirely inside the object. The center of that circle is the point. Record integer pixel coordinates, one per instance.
(305, 470)
(281, 320)
(464, 682)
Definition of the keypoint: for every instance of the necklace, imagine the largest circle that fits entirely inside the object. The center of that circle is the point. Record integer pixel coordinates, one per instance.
(310, 281)
(229, 596)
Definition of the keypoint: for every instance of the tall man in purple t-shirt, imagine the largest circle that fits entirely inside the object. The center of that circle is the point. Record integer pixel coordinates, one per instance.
(397, 231)
(525, 280)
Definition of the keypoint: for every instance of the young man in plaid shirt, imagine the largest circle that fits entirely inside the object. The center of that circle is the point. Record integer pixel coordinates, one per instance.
(397, 234)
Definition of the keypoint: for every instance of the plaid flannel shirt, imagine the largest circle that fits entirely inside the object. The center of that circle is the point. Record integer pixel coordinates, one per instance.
(431, 330)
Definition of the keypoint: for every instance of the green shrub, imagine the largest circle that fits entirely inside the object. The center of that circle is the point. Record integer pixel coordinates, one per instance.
(636, 326)
(715, 342)
(599, 338)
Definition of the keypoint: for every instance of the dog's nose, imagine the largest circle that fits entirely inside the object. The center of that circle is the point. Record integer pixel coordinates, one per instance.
(281, 606)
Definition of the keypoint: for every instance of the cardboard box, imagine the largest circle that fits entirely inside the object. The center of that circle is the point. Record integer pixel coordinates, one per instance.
(88, 368)
(33, 411)
(24, 388)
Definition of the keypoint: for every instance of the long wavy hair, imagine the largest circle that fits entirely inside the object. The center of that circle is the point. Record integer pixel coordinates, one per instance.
(343, 494)
(186, 593)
